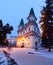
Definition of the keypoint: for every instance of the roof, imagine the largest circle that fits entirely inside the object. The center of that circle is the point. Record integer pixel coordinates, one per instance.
(32, 13)
(21, 22)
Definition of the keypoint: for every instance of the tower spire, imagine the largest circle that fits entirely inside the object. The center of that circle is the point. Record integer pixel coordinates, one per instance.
(32, 12)
(21, 24)
(31, 16)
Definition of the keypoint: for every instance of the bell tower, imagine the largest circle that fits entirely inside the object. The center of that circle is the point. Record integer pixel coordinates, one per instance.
(31, 16)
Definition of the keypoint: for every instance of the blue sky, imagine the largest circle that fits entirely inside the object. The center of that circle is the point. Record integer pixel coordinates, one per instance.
(11, 11)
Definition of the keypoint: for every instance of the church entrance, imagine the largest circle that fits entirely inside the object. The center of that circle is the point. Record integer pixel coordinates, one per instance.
(22, 45)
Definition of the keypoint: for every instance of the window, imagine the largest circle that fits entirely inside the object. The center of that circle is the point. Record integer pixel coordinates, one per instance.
(34, 28)
(28, 37)
(23, 32)
(29, 29)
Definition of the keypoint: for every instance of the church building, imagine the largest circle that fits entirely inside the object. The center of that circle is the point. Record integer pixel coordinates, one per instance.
(29, 34)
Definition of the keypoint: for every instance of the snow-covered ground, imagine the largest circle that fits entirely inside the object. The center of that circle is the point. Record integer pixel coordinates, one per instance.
(3, 59)
(27, 56)
(43, 52)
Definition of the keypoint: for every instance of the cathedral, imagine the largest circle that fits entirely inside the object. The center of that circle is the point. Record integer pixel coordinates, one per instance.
(29, 34)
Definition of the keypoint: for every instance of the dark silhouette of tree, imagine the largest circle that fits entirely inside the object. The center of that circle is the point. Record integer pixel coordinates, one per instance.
(46, 23)
(4, 30)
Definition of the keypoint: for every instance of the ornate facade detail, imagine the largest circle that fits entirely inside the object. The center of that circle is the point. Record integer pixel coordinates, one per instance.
(28, 33)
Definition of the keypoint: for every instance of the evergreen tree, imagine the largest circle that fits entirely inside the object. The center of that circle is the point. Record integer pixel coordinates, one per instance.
(4, 30)
(46, 23)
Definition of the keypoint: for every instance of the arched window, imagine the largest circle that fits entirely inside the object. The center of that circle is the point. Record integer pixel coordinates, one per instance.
(29, 28)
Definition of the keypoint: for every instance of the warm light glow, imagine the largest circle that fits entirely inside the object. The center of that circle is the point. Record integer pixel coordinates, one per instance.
(41, 30)
(43, 16)
(21, 40)
(41, 23)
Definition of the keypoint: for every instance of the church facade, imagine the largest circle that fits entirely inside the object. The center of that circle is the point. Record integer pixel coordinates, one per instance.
(28, 34)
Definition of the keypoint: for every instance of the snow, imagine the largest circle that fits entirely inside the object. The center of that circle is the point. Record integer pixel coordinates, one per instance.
(44, 53)
(23, 57)
(3, 59)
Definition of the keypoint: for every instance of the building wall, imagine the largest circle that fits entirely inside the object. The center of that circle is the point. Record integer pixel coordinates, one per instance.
(30, 40)
(32, 28)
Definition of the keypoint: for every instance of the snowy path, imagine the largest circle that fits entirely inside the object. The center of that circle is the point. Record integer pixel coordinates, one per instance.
(22, 57)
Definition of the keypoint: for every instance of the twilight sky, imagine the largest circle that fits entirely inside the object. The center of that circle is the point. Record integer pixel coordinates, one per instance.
(11, 11)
